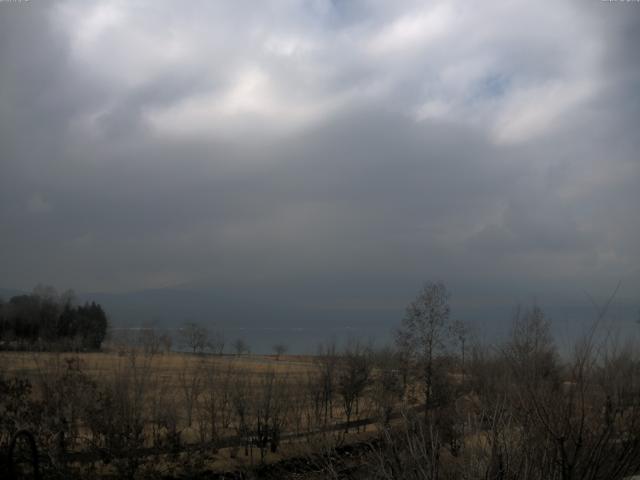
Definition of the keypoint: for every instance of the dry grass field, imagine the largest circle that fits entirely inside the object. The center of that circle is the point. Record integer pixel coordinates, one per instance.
(169, 365)
(235, 410)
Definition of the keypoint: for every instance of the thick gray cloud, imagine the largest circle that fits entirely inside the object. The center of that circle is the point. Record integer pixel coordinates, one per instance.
(344, 151)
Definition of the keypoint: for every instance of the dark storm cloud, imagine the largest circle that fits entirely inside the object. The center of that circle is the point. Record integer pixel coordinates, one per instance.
(348, 150)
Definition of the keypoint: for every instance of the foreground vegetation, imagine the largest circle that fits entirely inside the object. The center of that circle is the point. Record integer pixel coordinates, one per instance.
(436, 406)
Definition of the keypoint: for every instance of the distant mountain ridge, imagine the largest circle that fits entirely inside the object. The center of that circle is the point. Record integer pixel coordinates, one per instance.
(7, 293)
(264, 318)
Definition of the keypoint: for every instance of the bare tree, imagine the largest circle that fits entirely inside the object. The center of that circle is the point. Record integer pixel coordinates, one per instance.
(269, 412)
(387, 383)
(279, 349)
(327, 364)
(531, 347)
(216, 404)
(424, 333)
(460, 331)
(353, 377)
(583, 426)
(120, 411)
(190, 379)
(149, 340)
(194, 337)
(166, 342)
(314, 389)
(240, 346)
(216, 342)
(241, 400)
(163, 413)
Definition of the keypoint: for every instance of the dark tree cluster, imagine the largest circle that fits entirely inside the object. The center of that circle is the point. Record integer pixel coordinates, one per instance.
(46, 320)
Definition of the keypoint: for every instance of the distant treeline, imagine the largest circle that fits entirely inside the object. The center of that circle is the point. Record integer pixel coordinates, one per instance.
(45, 320)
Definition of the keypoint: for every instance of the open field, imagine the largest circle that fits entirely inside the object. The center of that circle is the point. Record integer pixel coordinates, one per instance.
(234, 411)
(171, 365)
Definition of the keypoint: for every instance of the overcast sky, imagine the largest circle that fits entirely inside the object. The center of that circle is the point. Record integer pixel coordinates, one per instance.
(349, 150)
